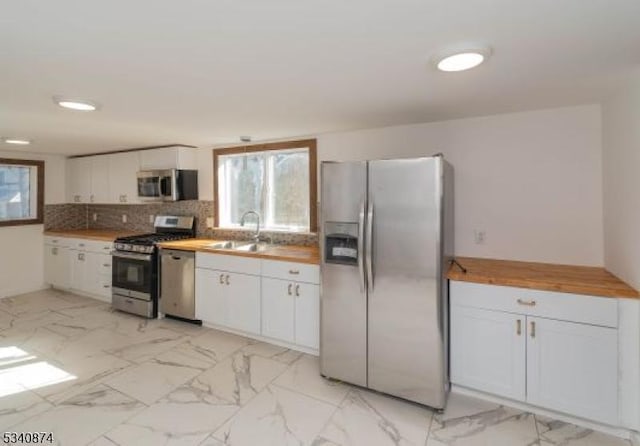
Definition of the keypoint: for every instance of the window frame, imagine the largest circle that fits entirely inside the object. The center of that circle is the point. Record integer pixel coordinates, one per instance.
(310, 144)
(39, 165)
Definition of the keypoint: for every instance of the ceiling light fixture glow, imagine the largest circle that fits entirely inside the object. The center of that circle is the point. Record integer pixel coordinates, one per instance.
(17, 141)
(462, 60)
(75, 104)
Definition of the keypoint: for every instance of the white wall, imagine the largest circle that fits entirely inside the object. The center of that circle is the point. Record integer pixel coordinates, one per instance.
(22, 259)
(532, 181)
(621, 149)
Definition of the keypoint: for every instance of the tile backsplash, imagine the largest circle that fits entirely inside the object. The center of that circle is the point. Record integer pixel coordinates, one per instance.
(139, 217)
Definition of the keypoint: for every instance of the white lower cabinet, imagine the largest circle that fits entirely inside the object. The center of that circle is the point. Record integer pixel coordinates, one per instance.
(241, 294)
(228, 299)
(488, 351)
(573, 368)
(563, 365)
(83, 266)
(57, 266)
(278, 309)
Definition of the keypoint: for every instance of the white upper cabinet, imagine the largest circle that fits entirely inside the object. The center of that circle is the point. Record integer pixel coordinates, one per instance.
(99, 179)
(168, 158)
(78, 180)
(123, 168)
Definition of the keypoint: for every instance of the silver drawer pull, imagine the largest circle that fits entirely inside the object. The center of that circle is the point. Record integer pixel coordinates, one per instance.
(528, 303)
(289, 289)
(294, 272)
(221, 279)
(106, 286)
(227, 279)
(106, 265)
(297, 290)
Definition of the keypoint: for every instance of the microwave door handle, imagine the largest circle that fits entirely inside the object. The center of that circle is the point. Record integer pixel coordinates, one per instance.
(363, 283)
(369, 245)
(163, 186)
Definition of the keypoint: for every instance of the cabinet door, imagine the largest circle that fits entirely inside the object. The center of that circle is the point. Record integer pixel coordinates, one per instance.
(99, 179)
(51, 261)
(488, 351)
(307, 314)
(62, 268)
(243, 301)
(573, 368)
(79, 270)
(78, 180)
(211, 303)
(123, 170)
(278, 309)
(165, 158)
(100, 271)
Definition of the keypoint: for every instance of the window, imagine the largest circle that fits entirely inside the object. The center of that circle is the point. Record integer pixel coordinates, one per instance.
(21, 192)
(278, 181)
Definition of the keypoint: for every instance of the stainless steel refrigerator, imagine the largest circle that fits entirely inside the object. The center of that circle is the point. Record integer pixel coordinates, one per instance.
(386, 240)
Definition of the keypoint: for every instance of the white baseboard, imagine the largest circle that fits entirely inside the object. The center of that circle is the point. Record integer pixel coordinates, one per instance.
(22, 290)
(277, 342)
(593, 425)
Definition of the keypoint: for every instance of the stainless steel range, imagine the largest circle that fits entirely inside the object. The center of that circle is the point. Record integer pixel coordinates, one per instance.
(135, 268)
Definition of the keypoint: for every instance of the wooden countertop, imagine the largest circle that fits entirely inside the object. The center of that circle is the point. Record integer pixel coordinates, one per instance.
(106, 235)
(287, 253)
(593, 281)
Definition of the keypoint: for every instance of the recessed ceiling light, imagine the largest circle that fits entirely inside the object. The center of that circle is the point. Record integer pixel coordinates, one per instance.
(17, 141)
(462, 60)
(75, 104)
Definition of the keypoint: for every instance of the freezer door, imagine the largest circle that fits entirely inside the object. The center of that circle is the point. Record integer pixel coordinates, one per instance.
(406, 332)
(343, 303)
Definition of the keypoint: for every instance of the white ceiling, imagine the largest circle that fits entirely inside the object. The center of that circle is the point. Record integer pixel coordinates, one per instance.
(203, 71)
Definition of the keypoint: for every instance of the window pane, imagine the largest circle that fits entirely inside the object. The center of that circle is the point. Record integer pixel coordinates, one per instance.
(15, 198)
(290, 190)
(244, 186)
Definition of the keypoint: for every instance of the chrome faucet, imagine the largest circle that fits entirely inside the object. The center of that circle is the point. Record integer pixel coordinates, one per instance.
(256, 236)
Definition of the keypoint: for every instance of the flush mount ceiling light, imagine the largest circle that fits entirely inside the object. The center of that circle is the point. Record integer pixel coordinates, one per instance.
(461, 60)
(16, 141)
(76, 104)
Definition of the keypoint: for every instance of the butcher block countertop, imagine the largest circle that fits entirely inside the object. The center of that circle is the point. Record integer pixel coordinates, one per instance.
(106, 235)
(592, 281)
(287, 253)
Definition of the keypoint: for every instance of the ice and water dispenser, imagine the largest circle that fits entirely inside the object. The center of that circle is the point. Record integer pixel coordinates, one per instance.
(341, 243)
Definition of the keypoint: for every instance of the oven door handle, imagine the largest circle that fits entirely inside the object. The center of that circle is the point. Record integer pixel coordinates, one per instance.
(131, 255)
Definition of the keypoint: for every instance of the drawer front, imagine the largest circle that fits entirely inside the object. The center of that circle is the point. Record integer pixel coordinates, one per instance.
(130, 305)
(549, 304)
(299, 272)
(229, 263)
(98, 246)
(57, 241)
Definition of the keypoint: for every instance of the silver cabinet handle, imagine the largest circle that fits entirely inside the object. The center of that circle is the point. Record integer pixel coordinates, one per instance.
(54, 251)
(124, 198)
(289, 289)
(295, 272)
(361, 247)
(107, 248)
(528, 303)
(297, 290)
(221, 279)
(106, 286)
(106, 265)
(533, 329)
(227, 279)
(81, 257)
(518, 327)
(91, 198)
(369, 247)
(81, 245)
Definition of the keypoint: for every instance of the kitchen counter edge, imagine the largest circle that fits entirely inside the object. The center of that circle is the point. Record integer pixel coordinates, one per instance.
(586, 280)
(286, 253)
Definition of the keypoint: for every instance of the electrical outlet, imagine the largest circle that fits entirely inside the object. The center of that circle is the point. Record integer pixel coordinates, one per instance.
(124, 218)
(480, 236)
(210, 222)
(151, 218)
(95, 216)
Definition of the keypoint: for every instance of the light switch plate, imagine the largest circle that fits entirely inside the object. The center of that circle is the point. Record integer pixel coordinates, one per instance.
(210, 222)
(95, 216)
(151, 218)
(124, 218)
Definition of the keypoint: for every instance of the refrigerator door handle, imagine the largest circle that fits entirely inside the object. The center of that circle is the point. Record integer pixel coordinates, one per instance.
(369, 246)
(361, 247)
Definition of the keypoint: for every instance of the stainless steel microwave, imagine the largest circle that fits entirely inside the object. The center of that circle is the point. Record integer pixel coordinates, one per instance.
(168, 185)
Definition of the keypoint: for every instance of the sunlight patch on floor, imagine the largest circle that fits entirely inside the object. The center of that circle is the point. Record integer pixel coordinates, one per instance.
(17, 374)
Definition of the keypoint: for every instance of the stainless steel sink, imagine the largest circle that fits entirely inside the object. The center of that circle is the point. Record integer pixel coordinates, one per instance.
(226, 245)
(251, 247)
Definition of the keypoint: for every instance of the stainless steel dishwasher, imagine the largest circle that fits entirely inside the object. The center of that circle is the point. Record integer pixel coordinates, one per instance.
(177, 283)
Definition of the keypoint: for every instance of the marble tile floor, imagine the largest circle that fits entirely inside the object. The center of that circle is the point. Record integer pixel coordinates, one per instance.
(72, 366)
